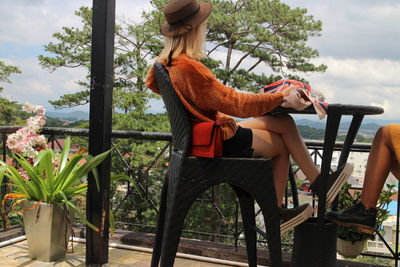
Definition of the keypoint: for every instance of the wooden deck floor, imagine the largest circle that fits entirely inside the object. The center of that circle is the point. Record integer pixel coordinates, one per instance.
(17, 255)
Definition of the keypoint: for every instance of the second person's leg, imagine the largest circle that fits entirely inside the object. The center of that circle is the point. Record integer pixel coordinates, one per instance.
(381, 161)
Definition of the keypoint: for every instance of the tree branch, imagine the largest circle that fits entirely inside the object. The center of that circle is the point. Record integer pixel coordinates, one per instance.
(255, 65)
(126, 39)
(246, 55)
(228, 60)
(254, 48)
(212, 50)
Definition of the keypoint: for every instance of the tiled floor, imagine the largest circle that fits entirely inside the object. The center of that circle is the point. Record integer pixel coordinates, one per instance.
(16, 255)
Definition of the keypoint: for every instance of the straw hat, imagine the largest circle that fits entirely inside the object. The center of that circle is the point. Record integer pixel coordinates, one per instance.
(183, 15)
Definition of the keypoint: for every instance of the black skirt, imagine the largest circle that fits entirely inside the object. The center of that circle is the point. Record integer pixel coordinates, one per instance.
(239, 145)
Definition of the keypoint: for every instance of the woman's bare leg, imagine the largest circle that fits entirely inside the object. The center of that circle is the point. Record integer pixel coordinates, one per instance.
(270, 145)
(381, 161)
(285, 127)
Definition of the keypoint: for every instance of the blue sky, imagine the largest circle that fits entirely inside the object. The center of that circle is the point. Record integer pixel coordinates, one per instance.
(359, 44)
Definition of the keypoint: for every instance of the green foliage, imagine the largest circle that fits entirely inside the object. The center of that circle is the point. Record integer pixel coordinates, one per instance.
(10, 111)
(53, 122)
(134, 45)
(311, 133)
(346, 200)
(372, 261)
(49, 182)
(246, 34)
(6, 71)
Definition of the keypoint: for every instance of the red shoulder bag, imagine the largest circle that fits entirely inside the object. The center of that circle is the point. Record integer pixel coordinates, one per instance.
(206, 140)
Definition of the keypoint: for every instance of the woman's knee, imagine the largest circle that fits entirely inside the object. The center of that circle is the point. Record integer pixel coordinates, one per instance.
(286, 118)
(269, 144)
(382, 137)
(286, 121)
(383, 132)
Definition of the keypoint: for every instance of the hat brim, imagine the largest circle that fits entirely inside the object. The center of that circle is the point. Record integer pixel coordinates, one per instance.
(187, 24)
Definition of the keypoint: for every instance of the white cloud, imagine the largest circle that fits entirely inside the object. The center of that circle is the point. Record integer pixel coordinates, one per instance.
(131, 10)
(350, 81)
(33, 22)
(360, 81)
(355, 29)
(37, 85)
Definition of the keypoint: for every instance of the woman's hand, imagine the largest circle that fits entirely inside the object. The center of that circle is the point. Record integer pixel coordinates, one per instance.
(292, 87)
(292, 98)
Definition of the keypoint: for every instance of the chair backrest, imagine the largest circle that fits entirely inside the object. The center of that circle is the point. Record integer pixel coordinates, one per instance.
(181, 127)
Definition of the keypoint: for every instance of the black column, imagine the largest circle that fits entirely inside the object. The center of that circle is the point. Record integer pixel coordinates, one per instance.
(101, 85)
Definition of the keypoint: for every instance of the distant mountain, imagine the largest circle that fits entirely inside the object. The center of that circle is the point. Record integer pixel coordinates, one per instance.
(344, 125)
(370, 126)
(69, 116)
(311, 123)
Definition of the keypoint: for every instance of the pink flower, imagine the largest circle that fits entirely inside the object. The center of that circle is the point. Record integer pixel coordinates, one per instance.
(26, 140)
(23, 173)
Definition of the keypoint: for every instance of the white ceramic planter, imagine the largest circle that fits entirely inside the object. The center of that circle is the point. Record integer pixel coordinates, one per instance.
(349, 250)
(48, 230)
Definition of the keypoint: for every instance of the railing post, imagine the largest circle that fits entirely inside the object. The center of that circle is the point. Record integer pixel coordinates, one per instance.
(101, 85)
(5, 182)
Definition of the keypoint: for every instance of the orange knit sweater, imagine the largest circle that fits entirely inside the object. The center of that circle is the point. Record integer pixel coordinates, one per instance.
(208, 99)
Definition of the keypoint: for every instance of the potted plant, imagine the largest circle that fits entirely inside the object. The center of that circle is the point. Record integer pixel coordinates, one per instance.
(43, 186)
(350, 241)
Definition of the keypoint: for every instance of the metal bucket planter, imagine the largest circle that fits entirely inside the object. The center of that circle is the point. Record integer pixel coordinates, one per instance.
(48, 229)
(350, 250)
(308, 251)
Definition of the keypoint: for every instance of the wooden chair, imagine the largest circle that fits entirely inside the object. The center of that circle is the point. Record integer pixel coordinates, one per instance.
(187, 177)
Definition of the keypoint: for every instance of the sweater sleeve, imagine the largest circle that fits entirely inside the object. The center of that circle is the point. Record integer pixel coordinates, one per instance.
(151, 82)
(208, 93)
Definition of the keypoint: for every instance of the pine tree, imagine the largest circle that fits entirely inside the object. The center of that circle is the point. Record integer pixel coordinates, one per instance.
(268, 34)
(10, 111)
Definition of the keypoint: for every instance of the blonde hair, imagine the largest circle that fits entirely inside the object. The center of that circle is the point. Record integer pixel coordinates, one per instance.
(190, 43)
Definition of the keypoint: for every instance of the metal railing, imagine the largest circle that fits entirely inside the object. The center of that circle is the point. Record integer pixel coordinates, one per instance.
(146, 187)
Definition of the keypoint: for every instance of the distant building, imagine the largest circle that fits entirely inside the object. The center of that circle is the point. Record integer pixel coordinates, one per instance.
(359, 160)
(389, 234)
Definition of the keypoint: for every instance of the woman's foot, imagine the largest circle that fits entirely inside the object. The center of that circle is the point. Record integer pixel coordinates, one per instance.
(336, 181)
(290, 218)
(357, 215)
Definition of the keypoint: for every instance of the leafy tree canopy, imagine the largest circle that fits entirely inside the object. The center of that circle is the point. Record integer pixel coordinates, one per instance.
(243, 35)
(10, 111)
(6, 71)
(134, 46)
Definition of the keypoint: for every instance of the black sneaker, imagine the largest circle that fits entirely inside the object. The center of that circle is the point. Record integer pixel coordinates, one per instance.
(290, 218)
(336, 181)
(357, 215)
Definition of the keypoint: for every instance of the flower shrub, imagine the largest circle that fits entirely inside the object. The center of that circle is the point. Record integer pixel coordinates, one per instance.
(27, 141)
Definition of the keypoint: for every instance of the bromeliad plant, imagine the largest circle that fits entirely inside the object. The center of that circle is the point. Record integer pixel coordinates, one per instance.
(52, 178)
(39, 174)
